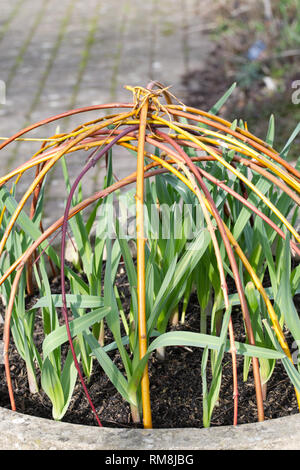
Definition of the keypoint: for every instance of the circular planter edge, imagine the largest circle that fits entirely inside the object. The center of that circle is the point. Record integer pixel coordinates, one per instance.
(24, 432)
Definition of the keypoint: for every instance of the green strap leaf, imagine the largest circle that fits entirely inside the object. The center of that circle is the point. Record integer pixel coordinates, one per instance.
(182, 270)
(186, 338)
(52, 386)
(59, 336)
(271, 131)
(76, 300)
(216, 108)
(291, 370)
(111, 370)
(69, 377)
(284, 152)
(284, 298)
(29, 227)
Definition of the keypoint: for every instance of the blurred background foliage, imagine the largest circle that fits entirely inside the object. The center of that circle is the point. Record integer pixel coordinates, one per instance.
(257, 45)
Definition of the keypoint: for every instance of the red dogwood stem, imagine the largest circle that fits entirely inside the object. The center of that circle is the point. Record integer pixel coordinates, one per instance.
(87, 167)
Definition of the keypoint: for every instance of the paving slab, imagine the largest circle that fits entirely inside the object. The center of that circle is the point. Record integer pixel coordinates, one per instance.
(60, 54)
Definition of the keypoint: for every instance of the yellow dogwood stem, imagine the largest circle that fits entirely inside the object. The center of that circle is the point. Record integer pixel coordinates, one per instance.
(237, 145)
(47, 167)
(235, 172)
(140, 240)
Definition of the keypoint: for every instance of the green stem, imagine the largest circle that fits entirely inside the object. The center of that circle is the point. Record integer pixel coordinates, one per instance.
(174, 320)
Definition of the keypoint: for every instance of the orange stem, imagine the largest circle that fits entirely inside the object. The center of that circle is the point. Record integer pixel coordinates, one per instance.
(140, 240)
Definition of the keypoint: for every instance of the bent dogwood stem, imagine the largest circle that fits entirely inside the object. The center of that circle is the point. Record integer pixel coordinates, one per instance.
(87, 167)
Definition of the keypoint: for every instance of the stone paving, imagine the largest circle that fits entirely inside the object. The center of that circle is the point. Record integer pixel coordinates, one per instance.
(60, 54)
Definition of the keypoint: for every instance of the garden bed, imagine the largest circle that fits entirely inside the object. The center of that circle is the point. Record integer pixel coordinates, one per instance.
(175, 385)
(234, 330)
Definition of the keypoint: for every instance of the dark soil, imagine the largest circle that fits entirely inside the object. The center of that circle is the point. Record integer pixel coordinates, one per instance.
(176, 387)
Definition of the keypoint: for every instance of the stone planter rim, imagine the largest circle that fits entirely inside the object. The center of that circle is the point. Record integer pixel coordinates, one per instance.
(24, 432)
